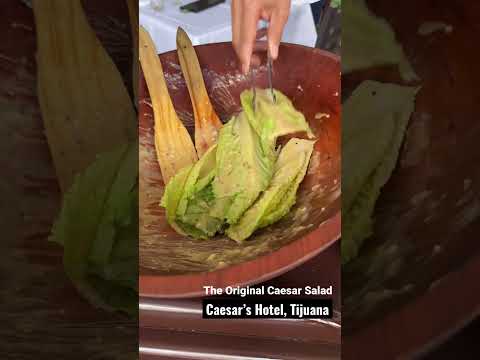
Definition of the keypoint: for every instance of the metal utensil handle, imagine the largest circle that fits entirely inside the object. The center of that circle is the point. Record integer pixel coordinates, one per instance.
(270, 83)
(252, 84)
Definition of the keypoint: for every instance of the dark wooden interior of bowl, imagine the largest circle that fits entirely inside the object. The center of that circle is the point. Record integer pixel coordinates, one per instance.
(416, 279)
(311, 79)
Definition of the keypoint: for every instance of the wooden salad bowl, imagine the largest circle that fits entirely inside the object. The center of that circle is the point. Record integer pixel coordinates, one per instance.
(174, 266)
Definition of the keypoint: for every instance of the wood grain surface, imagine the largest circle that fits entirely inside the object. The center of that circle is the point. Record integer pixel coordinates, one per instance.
(416, 280)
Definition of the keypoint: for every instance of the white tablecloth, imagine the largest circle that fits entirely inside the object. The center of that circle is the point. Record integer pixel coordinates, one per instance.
(162, 17)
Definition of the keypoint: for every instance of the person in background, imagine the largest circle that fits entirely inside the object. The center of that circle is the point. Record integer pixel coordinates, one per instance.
(245, 17)
(317, 7)
(328, 25)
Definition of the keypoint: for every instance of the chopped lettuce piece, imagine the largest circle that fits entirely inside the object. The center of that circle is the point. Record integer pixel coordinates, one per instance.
(243, 169)
(369, 41)
(172, 195)
(279, 197)
(273, 119)
(278, 210)
(374, 122)
(199, 177)
(197, 199)
(98, 228)
(197, 214)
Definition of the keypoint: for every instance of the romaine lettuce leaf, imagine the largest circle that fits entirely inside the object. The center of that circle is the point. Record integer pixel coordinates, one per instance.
(270, 119)
(98, 228)
(369, 41)
(243, 169)
(247, 150)
(279, 197)
(374, 122)
(197, 199)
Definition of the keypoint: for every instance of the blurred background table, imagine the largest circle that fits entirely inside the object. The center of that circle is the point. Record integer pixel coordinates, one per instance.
(162, 17)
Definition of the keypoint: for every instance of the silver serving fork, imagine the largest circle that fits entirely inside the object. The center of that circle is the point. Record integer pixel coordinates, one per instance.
(252, 84)
(269, 73)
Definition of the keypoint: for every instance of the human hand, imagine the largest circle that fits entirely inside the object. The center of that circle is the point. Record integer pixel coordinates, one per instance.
(245, 17)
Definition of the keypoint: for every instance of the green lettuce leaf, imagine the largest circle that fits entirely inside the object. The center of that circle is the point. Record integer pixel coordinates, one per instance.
(98, 228)
(369, 41)
(374, 121)
(172, 195)
(279, 197)
(247, 153)
(279, 209)
(335, 3)
(270, 120)
(243, 169)
(197, 199)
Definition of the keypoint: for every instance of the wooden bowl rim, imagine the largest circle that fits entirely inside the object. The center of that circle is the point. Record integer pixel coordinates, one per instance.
(318, 51)
(253, 271)
(191, 285)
